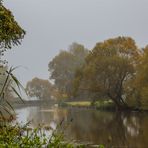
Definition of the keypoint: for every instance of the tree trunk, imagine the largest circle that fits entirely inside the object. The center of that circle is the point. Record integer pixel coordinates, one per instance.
(119, 103)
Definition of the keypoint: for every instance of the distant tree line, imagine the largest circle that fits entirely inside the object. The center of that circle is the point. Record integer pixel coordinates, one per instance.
(115, 69)
(62, 69)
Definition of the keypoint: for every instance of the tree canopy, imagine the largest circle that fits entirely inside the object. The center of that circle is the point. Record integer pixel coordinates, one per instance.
(108, 68)
(62, 68)
(140, 84)
(39, 88)
(10, 32)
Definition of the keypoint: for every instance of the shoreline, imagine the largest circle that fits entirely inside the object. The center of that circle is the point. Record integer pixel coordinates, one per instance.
(102, 107)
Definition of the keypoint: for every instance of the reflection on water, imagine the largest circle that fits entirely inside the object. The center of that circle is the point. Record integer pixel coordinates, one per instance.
(92, 126)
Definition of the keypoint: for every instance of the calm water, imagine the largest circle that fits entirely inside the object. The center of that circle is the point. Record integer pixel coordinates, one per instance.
(91, 126)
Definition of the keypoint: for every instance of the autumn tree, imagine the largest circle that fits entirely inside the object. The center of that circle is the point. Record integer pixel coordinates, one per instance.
(10, 32)
(108, 68)
(140, 84)
(63, 67)
(39, 88)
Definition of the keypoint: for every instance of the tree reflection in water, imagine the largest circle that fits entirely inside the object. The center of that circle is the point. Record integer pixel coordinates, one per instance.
(91, 126)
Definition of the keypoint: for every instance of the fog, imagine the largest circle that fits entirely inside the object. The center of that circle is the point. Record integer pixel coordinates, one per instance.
(52, 25)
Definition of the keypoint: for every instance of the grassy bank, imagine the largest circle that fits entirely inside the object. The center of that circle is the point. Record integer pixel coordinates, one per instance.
(100, 105)
(79, 103)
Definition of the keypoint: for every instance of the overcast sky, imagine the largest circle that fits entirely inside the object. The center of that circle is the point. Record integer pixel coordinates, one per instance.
(52, 25)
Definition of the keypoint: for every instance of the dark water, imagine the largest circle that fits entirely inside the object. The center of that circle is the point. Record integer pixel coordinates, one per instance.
(91, 126)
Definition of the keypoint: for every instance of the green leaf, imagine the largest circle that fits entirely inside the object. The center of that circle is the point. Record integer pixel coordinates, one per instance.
(17, 94)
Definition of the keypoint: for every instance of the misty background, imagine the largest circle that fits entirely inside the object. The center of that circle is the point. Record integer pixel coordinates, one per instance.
(52, 25)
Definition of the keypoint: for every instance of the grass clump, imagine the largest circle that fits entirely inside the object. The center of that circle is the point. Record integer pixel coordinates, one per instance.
(16, 136)
(79, 103)
(24, 137)
(100, 105)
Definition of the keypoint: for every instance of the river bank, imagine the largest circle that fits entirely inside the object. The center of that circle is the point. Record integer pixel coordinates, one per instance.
(98, 105)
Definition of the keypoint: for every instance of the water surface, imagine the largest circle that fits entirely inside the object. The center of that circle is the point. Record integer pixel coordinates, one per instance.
(92, 126)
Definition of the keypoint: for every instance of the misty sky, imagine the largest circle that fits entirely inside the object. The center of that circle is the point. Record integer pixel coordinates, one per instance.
(52, 25)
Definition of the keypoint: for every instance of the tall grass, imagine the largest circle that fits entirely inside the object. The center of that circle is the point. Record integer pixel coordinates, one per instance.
(9, 84)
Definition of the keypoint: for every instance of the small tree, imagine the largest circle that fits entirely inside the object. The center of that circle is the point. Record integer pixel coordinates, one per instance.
(39, 88)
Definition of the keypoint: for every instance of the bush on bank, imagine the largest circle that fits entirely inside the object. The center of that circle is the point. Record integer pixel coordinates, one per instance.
(22, 136)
